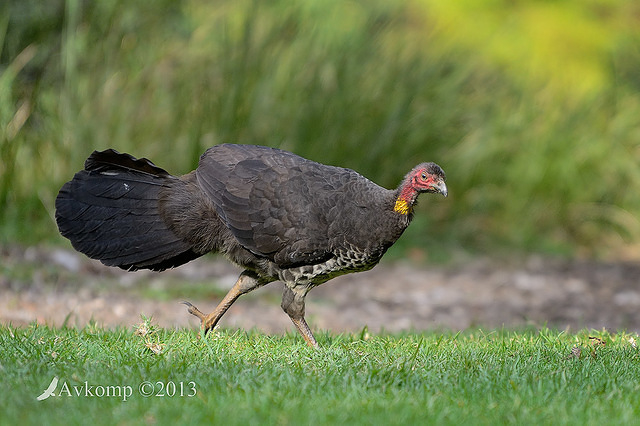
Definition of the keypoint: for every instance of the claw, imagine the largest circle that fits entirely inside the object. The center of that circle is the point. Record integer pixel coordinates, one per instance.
(195, 311)
(247, 281)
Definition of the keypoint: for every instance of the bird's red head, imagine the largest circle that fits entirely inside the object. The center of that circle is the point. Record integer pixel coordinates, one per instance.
(428, 177)
(425, 177)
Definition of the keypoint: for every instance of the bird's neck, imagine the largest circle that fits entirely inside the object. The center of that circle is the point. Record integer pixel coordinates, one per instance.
(405, 199)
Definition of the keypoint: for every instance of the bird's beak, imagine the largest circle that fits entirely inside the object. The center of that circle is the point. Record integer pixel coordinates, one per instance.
(441, 187)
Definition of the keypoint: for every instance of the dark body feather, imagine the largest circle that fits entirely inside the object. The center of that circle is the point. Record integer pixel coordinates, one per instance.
(110, 212)
(296, 213)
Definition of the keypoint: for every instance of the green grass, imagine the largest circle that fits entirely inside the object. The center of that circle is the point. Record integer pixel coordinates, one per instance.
(524, 377)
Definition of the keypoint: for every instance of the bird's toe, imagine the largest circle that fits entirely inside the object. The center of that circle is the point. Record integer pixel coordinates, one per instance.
(195, 311)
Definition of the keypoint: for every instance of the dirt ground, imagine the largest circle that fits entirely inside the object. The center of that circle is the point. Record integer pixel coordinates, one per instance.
(54, 286)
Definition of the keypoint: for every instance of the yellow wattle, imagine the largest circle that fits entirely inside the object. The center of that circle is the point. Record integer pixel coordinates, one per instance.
(402, 207)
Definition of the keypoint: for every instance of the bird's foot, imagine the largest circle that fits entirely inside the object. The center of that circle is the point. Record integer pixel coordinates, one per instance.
(304, 329)
(198, 313)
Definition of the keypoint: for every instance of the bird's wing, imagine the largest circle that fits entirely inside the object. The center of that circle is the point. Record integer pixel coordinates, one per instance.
(274, 202)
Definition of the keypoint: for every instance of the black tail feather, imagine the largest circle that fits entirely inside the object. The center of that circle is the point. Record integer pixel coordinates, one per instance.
(109, 211)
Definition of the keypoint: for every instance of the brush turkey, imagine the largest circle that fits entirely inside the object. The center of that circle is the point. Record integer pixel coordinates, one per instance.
(275, 214)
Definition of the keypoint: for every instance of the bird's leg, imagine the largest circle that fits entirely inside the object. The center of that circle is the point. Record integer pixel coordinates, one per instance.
(247, 281)
(293, 305)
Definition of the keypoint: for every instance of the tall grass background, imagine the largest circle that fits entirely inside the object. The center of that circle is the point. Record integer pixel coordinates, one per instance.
(540, 138)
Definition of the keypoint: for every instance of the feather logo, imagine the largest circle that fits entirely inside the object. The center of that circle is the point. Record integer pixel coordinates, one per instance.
(49, 391)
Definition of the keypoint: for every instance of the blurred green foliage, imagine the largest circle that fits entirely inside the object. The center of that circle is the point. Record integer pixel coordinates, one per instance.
(531, 107)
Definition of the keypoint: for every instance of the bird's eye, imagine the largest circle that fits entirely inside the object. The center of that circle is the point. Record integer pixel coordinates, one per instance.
(423, 176)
